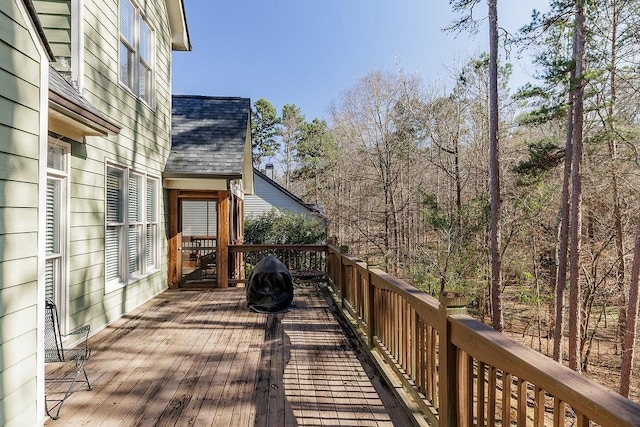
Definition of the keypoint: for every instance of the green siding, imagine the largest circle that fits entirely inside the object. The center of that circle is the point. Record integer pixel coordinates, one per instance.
(16, 115)
(55, 18)
(143, 144)
(14, 33)
(15, 409)
(20, 72)
(18, 194)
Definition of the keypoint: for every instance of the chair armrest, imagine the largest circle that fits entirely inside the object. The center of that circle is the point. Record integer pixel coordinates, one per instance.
(81, 330)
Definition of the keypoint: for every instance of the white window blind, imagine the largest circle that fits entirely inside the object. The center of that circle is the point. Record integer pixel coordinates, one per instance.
(127, 43)
(151, 248)
(56, 227)
(115, 224)
(53, 239)
(199, 218)
(131, 235)
(136, 51)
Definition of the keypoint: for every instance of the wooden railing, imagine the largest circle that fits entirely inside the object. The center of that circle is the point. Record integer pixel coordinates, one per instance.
(459, 371)
(303, 261)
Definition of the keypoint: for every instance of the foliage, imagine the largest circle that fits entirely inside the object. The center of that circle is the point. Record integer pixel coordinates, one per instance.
(316, 155)
(284, 228)
(544, 155)
(401, 168)
(290, 133)
(264, 129)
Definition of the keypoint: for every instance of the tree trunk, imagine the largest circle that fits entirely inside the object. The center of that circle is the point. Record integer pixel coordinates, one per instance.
(617, 216)
(496, 279)
(630, 326)
(563, 233)
(575, 235)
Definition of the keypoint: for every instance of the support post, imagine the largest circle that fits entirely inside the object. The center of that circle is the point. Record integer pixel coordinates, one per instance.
(222, 241)
(451, 303)
(343, 274)
(371, 309)
(174, 252)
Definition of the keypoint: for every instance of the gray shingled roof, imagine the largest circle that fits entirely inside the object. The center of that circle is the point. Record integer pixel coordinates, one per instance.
(67, 99)
(208, 136)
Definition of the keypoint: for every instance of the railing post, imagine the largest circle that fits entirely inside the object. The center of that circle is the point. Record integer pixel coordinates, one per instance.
(343, 274)
(450, 303)
(371, 318)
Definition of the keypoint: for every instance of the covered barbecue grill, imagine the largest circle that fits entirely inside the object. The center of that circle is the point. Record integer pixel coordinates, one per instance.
(270, 287)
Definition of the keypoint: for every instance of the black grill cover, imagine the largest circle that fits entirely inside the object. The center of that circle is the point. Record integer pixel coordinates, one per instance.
(270, 287)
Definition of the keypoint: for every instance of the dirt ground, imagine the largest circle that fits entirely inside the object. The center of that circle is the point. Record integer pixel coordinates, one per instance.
(523, 324)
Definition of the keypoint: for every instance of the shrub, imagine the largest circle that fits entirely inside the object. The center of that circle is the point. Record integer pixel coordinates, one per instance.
(284, 228)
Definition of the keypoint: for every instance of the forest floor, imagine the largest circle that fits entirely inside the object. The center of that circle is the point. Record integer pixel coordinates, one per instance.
(524, 324)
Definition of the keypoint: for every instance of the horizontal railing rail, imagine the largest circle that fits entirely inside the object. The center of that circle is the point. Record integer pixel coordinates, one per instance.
(530, 386)
(303, 261)
(459, 371)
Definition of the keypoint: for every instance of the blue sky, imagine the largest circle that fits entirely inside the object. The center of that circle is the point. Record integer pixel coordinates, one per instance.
(307, 52)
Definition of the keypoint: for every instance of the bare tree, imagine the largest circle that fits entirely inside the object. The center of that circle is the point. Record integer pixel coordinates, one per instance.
(374, 117)
(575, 229)
(496, 271)
(630, 325)
(563, 230)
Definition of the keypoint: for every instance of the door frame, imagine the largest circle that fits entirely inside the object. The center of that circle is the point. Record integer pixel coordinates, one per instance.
(175, 234)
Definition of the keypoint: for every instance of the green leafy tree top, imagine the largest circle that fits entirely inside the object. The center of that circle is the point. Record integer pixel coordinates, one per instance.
(316, 153)
(264, 130)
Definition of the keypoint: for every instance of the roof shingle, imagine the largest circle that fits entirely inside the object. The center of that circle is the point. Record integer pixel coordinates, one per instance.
(208, 136)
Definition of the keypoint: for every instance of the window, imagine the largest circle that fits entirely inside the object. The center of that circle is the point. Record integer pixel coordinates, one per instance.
(136, 48)
(56, 227)
(131, 234)
(199, 218)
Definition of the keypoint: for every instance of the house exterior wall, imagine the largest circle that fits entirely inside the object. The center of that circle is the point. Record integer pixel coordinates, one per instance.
(23, 71)
(55, 17)
(142, 145)
(268, 197)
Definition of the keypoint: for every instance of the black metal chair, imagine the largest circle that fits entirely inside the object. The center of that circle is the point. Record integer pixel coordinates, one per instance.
(54, 352)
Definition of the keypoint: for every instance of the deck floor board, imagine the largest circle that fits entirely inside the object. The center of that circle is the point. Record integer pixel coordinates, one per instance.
(202, 358)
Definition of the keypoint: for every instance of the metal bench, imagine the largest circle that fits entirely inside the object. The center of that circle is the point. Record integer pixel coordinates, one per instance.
(54, 352)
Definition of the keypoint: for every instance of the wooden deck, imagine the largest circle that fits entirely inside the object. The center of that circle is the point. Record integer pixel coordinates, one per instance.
(202, 358)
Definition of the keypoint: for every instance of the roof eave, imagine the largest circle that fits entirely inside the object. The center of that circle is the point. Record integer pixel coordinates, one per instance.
(199, 175)
(33, 14)
(178, 24)
(86, 118)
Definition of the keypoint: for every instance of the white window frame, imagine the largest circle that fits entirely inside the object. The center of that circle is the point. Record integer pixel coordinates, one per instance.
(60, 260)
(145, 224)
(144, 92)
